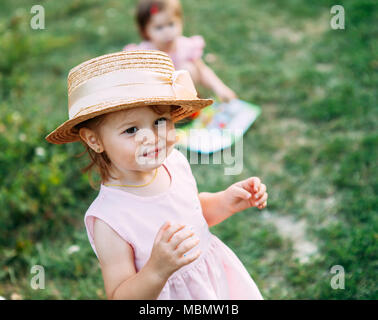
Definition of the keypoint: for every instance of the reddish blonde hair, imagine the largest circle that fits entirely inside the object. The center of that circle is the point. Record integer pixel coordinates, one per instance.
(143, 12)
(100, 162)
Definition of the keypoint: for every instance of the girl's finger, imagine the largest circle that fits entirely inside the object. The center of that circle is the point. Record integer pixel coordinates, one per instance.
(251, 184)
(242, 193)
(179, 237)
(186, 245)
(190, 258)
(256, 183)
(261, 192)
(263, 205)
(160, 233)
(262, 199)
(169, 232)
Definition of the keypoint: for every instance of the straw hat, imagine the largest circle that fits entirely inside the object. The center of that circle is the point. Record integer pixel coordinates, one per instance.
(124, 80)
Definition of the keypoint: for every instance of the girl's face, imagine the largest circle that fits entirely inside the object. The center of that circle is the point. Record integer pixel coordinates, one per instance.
(163, 28)
(130, 138)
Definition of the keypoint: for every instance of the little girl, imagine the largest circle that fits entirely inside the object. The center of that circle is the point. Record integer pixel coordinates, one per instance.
(160, 25)
(148, 226)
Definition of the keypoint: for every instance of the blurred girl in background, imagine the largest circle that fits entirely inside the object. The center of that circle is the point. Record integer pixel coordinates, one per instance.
(160, 24)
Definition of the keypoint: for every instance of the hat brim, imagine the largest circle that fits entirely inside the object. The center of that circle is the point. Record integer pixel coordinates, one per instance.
(67, 132)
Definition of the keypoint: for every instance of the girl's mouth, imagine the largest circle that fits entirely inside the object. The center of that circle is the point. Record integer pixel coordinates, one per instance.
(153, 153)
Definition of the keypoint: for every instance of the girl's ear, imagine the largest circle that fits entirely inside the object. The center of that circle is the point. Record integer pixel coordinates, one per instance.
(91, 139)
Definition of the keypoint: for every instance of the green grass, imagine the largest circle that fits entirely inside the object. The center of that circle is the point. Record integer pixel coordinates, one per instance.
(314, 146)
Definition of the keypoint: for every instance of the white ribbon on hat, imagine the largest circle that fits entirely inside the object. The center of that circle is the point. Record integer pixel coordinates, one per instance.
(183, 85)
(129, 85)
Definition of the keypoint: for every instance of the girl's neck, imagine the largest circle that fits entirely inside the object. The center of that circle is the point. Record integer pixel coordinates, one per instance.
(132, 177)
(160, 184)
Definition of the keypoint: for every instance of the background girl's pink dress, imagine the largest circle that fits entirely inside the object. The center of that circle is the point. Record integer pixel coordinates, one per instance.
(187, 49)
(216, 274)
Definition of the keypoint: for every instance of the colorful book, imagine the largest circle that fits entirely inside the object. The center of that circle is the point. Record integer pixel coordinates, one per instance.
(218, 126)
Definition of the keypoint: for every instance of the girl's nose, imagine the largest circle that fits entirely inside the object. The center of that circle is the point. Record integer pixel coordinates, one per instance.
(168, 34)
(150, 138)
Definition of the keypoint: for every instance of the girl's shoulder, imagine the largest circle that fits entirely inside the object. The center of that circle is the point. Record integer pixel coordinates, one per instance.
(178, 159)
(193, 46)
(193, 41)
(189, 48)
(180, 165)
(97, 204)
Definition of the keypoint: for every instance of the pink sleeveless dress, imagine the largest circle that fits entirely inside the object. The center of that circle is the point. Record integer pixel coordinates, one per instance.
(216, 274)
(188, 49)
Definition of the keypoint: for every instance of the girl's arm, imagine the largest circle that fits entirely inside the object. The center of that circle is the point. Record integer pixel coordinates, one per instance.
(241, 195)
(209, 79)
(214, 209)
(116, 258)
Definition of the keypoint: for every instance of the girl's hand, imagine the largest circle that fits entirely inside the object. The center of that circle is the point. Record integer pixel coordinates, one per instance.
(244, 194)
(171, 244)
(224, 93)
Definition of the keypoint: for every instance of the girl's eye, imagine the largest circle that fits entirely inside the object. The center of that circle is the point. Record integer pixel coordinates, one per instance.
(161, 121)
(159, 27)
(171, 24)
(131, 130)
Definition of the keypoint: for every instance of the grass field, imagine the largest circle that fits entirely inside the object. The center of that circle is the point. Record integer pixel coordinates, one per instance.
(314, 145)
